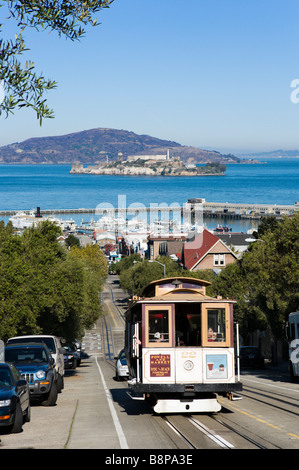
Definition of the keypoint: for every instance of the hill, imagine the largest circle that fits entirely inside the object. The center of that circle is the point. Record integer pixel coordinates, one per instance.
(94, 145)
(275, 154)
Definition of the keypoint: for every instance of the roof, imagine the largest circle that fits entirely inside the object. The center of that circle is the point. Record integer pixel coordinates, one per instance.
(25, 345)
(236, 239)
(190, 295)
(172, 297)
(169, 280)
(33, 336)
(194, 251)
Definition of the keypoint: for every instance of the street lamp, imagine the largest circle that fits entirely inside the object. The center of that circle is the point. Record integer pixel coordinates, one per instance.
(154, 261)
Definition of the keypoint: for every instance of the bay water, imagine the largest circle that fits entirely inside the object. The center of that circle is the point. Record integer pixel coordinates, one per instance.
(25, 187)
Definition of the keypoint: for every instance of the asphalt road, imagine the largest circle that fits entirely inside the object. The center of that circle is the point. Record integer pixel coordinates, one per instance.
(95, 412)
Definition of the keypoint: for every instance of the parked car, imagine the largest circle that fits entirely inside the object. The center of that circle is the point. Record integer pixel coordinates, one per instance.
(121, 367)
(77, 351)
(36, 366)
(55, 348)
(14, 399)
(251, 357)
(72, 358)
(79, 347)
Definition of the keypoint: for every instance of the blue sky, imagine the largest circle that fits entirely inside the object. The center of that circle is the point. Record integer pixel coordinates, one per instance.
(206, 73)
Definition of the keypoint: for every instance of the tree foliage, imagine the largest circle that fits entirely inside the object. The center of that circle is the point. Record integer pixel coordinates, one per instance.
(135, 273)
(23, 86)
(265, 280)
(45, 288)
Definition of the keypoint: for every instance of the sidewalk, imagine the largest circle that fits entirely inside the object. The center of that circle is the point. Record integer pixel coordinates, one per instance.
(92, 426)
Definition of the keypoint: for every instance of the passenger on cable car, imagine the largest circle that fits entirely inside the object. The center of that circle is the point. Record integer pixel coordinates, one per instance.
(156, 331)
(211, 335)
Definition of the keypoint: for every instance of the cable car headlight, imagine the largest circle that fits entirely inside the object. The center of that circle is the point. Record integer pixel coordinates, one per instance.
(188, 365)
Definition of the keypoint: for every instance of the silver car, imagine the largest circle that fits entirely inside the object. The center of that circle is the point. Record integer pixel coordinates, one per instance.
(121, 367)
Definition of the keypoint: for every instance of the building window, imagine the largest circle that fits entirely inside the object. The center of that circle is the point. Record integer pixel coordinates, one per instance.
(219, 259)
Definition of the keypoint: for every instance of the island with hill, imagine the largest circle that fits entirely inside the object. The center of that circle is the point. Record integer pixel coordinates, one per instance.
(150, 165)
(94, 146)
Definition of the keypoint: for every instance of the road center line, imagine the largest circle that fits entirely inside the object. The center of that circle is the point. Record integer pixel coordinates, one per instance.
(118, 428)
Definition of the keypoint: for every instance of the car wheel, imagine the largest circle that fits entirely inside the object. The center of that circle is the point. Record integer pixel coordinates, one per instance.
(18, 422)
(60, 383)
(52, 396)
(27, 416)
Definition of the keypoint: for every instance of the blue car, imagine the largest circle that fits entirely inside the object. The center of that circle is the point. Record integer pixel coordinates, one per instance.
(36, 366)
(14, 399)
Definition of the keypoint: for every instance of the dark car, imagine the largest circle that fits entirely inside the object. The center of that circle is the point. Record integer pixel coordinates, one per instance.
(251, 357)
(36, 366)
(72, 358)
(14, 399)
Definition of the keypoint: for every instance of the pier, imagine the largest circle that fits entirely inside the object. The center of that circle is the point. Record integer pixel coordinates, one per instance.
(192, 208)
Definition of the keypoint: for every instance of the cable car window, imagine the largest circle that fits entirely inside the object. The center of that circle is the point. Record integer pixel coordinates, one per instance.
(216, 325)
(187, 328)
(190, 285)
(158, 326)
(167, 285)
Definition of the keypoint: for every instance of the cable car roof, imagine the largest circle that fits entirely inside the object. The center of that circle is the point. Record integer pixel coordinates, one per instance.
(172, 280)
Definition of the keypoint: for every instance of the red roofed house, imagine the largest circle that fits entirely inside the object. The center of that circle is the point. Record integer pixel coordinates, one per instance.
(207, 251)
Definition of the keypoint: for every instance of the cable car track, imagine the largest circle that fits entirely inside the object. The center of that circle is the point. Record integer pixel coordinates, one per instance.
(179, 433)
(108, 344)
(114, 303)
(246, 437)
(267, 395)
(223, 443)
(215, 437)
(109, 333)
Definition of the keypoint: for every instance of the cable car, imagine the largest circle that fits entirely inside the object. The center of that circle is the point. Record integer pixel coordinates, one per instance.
(179, 345)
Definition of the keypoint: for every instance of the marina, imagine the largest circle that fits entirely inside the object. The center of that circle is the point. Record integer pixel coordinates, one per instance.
(160, 205)
(136, 225)
(200, 205)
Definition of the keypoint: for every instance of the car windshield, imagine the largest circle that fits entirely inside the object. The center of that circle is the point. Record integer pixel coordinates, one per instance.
(122, 358)
(39, 339)
(26, 355)
(5, 378)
